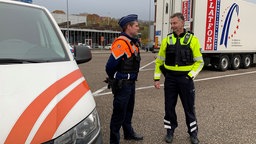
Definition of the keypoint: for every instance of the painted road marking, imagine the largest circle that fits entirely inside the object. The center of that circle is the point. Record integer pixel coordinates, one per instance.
(196, 80)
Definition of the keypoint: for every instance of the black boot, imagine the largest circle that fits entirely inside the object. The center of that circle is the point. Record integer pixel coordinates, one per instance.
(134, 136)
(194, 140)
(169, 136)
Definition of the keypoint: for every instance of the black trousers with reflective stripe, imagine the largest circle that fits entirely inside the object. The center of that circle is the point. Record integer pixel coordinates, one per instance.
(181, 85)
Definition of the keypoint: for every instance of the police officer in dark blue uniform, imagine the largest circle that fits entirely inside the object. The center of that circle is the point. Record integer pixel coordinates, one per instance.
(122, 68)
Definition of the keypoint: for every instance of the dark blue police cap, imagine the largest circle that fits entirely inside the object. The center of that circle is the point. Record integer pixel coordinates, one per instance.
(124, 20)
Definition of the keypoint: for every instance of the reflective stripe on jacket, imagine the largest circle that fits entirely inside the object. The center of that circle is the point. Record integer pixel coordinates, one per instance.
(123, 46)
(192, 69)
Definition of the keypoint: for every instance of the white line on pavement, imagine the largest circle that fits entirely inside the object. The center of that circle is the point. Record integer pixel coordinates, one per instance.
(99, 91)
(196, 80)
(230, 75)
(147, 65)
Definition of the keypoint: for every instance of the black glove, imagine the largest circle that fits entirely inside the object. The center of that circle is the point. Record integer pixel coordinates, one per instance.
(113, 84)
(109, 81)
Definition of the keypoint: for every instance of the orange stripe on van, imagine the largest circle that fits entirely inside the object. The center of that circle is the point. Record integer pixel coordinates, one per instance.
(58, 113)
(27, 119)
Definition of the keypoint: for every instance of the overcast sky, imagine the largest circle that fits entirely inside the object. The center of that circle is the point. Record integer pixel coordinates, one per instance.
(254, 1)
(112, 8)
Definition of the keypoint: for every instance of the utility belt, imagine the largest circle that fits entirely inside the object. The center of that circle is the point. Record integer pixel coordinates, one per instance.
(177, 73)
(115, 85)
(171, 72)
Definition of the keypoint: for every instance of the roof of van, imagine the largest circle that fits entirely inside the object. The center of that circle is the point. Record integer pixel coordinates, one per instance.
(22, 3)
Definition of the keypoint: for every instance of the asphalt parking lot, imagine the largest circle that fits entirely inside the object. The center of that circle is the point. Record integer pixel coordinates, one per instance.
(225, 104)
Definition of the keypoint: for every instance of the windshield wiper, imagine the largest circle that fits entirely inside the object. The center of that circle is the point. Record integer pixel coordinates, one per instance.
(19, 61)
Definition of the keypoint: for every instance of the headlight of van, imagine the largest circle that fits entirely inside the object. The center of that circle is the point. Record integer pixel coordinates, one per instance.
(85, 132)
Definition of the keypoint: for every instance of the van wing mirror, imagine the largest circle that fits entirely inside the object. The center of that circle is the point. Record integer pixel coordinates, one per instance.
(82, 54)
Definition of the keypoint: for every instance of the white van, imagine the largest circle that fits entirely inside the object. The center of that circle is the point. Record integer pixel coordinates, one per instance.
(44, 97)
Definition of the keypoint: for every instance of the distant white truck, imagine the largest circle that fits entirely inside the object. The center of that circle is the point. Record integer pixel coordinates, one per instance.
(225, 28)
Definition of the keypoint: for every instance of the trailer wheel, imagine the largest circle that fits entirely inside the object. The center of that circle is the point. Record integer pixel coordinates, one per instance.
(235, 62)
(246, 61)
(223, 63)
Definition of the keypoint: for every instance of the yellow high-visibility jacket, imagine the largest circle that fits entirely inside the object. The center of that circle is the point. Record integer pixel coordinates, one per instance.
(192, 69)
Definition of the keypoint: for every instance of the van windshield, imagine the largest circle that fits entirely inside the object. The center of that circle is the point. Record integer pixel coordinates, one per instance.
(28, 34)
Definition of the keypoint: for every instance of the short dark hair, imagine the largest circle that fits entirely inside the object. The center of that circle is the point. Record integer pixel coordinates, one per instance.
(126, 25)
(178, 15)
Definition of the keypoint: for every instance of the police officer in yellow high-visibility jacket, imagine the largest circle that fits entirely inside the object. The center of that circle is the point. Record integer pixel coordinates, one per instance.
(180, 60)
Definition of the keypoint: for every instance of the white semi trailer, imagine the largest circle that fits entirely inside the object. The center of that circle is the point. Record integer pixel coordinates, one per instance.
(225, 28)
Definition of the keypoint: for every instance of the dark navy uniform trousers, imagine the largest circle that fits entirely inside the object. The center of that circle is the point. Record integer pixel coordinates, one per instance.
(183, 86)
(123, 106)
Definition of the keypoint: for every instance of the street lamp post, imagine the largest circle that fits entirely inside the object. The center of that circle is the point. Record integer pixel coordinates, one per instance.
(67, 36)
(108, 17)
(149, 17)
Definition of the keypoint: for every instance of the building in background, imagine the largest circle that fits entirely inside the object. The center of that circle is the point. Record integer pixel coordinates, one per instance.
(79, 33)
(74, 19)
